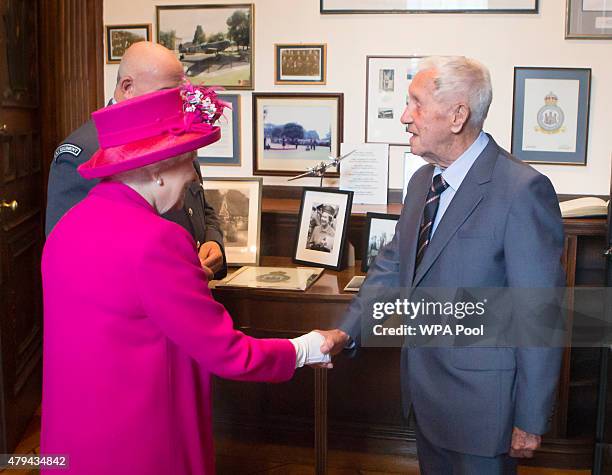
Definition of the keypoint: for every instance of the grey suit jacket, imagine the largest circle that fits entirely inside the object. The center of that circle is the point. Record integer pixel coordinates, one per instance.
(503, 228)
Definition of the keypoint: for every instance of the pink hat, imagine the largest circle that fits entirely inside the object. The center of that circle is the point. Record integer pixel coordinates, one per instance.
(153, 127)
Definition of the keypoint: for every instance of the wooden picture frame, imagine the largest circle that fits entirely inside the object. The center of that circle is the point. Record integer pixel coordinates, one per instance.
(237, 202)
(322, 227)
(222, 57)
(300, 63)
(228, 150)
(121, 37)
(378, 233)
(330, 7)
(295, 131)
(588, 20)
(550, 116)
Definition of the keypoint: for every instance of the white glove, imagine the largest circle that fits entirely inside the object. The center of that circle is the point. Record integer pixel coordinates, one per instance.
(308, 349)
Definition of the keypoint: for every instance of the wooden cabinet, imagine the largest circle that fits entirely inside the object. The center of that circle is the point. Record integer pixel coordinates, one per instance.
(363, 394)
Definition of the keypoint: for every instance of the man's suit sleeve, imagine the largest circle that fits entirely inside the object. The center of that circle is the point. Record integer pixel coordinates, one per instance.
(533, 245)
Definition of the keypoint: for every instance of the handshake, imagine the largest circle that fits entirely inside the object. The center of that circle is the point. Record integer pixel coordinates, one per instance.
(317, 347)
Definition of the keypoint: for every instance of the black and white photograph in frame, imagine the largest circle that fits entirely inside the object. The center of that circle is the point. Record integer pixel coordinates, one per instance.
(387, 81)
(121, 37)
(322, 227)
(550, 119)
(300, 63)
(237, 202)
(380, 229)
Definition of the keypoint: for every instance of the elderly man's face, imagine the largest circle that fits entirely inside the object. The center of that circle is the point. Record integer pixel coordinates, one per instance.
(428, 120)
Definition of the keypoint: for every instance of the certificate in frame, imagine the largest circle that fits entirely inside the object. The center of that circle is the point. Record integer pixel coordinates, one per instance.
(427, 6)
(227, 151)
(121, 37)
(550, 117)
(237, 202)
(387, 81)
(588, 19)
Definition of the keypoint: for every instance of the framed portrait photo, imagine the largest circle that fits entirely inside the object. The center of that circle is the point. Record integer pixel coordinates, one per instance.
(588, 19)
(213, 42)
(322, 227)
(387, 81)
(300, 63)
(121, 37)
(293, 132)
(227, 151)
(237, 202)
(428, 6)
(379, 230)
(550, 117)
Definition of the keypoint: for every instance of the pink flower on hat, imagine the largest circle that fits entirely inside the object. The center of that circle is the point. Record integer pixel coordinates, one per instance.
(203, 103)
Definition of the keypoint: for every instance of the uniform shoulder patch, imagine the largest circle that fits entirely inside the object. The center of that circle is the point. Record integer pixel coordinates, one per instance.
(67, 148)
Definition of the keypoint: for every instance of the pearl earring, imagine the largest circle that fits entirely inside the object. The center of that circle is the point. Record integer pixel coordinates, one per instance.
(159, 181)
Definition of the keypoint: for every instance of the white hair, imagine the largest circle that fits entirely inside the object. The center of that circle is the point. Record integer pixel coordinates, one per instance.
(463, 77)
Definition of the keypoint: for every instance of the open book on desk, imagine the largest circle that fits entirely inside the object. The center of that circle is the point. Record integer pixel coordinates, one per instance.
(584, 207)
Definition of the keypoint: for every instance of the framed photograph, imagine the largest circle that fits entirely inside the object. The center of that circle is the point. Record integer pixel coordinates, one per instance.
(588, 19)
(237, 202)
(214, 42)
(387, 81)
(227, 151)
(322, 226)
(379, 230)
(121, 37)
(550, 117)
(428, 6)
(300, 64)
(293, 132)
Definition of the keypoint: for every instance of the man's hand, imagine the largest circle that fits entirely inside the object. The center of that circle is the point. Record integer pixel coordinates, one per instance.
(524, 443)
(335, 341)
(211, 258)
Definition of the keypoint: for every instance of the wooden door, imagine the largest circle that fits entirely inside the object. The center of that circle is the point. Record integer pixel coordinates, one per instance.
(21, 220)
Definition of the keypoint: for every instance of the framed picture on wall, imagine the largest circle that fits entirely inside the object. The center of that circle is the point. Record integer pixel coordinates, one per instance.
(121, 37)
(550, 118)
(588, 19)
(227, 150)
(237, 202)
(428, 6)
(295, 131)
(322, 227)
(299, 63)
(379, 230)
(412, 163)
(213, 42)
(387, 81)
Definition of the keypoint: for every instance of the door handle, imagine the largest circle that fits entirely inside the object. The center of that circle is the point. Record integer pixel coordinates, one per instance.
(11, 204)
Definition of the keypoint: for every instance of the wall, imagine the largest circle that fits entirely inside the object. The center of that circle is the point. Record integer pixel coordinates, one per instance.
(501, 41)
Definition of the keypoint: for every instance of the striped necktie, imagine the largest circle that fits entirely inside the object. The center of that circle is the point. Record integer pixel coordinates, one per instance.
(429, 215)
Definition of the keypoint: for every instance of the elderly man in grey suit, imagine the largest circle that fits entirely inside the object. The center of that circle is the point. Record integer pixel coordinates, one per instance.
(475, 216)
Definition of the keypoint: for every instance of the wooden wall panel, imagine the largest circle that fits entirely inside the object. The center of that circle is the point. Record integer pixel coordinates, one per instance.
(72, 45)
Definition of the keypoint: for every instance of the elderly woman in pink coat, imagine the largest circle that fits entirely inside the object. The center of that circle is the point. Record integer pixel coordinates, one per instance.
(132, 334)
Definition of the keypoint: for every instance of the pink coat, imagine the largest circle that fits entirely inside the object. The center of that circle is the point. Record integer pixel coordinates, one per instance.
(131, 338)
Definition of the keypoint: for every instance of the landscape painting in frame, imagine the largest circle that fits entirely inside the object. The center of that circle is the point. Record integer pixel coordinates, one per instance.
(213, 42)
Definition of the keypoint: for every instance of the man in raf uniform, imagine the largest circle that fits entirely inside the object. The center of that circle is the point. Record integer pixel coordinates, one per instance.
(145, 67)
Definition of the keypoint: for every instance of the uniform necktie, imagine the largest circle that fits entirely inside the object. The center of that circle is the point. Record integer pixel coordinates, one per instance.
(429, 215)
